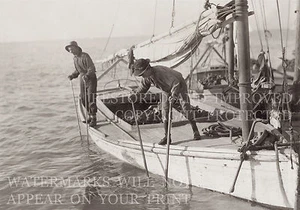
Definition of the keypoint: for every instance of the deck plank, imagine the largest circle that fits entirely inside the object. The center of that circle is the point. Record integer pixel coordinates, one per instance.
(182, 135)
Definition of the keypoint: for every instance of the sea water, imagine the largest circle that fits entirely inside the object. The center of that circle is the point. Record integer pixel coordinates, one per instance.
(45, 164)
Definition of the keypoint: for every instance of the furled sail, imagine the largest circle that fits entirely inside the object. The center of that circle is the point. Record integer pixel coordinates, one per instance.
(176, 46)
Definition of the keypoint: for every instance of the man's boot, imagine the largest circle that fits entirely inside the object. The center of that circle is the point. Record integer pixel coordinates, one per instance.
(93, 111)
(164, 140)
(93, 121)
(195, 130)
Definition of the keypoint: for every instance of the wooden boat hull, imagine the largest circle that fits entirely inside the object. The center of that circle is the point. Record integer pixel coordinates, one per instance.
(260, 180)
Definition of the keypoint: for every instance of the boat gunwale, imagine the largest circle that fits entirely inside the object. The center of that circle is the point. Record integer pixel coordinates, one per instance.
(195, 152)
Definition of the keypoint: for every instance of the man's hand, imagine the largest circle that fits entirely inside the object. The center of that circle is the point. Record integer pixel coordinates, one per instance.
(70, 77)
(85, 78)
(172, 99)
(132, 98)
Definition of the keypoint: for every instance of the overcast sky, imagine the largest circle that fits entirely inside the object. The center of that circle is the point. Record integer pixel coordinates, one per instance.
(30, 20)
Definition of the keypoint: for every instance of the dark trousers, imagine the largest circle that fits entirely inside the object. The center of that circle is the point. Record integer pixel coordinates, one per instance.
(182, 105)
(88, 92)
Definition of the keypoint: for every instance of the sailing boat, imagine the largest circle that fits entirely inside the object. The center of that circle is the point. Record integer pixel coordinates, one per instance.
(262, 170)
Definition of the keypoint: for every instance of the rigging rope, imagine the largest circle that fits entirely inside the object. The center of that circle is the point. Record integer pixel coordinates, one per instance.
(112, 28)
(285, 98)
(173, 14)
(280, 27)
(258, 31)
(154, 20)
(263, 12)
(283, 51)
(109, 36)
(262, 4)
(288, 23)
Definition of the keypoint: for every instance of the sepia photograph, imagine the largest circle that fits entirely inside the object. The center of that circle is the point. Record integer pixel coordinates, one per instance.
(150, 104)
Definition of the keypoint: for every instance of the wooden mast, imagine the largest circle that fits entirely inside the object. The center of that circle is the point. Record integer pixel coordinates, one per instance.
(296, 81)
(243, 52)
(297, 48)
(295, 98)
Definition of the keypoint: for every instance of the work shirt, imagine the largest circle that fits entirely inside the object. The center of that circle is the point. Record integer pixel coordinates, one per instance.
(83, 65)
(164, 78)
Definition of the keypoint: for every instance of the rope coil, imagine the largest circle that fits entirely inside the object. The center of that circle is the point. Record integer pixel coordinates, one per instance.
(220, 130)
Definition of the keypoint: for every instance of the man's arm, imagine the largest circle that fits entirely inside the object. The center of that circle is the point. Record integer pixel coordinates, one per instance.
(75, 74)
(144, 86)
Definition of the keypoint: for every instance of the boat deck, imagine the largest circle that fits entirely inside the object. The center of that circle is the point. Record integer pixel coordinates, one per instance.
(181, 133)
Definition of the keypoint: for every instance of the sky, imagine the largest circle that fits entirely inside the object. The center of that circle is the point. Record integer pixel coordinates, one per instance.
(31, 20)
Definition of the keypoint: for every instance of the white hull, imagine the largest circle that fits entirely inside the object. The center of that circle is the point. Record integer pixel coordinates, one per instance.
(214, 169)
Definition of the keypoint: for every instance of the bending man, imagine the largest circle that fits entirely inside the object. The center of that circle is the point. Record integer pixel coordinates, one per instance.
(85, 69)
(173, 86)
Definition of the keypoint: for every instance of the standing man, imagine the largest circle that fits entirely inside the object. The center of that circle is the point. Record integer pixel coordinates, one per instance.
(173, 86)
(85, 69)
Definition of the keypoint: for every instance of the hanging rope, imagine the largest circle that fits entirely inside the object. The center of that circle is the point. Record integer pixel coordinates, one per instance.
(173, 14)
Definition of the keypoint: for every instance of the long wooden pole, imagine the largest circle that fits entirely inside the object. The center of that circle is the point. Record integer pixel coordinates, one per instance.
(168, 143)
(243, 52)
(76, 110)
(140, 138)
(243, 155)
(86, 111)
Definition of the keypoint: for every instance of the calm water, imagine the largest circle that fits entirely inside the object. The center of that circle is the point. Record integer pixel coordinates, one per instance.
(43, 159)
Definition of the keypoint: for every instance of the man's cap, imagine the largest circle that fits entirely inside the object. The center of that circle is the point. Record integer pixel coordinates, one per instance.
(72, 43)
(140, 66)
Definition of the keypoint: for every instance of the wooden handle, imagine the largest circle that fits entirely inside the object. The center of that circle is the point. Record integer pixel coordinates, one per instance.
(236, 176)
(140, 138)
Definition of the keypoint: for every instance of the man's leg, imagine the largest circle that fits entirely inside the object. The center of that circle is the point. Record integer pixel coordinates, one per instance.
(187, 111)
(91, 91)
(165, 112)
(84, 97)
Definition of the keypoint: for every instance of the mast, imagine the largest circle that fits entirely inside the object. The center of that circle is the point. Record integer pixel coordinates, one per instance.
(296, 81)
(295, 98)
(230, 53)
(297, 48)
(243, 52)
